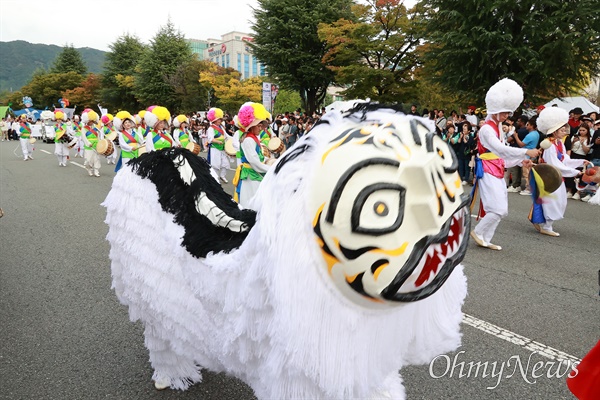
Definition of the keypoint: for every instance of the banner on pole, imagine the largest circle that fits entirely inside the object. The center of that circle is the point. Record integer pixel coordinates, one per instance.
(266, 97)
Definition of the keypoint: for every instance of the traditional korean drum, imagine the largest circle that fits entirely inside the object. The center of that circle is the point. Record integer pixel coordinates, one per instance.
(111, 136)
(229, 148)
(276, 145)
(193, 147)
(72, 143)
(105, 147)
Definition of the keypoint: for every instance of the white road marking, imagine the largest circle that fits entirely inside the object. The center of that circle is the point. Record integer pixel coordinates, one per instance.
(79, 165)
(519, 340)
(44, 151)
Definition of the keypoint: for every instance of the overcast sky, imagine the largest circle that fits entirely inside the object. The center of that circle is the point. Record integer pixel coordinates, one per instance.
(97, 24)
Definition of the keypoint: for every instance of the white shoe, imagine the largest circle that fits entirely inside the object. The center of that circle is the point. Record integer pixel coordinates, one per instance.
(549, 233)
(482, 243)
(525, 192)
(464, 183)
(512, 189)
(569, 195)
(31, 158)
(586, 198)
(576, 196)
(161, 384)
(96, 173)
(224, 180)
(90, 173)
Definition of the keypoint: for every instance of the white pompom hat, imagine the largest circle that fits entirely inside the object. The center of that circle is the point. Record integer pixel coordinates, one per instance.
(180, 119)
(551, 119)
(504, 96)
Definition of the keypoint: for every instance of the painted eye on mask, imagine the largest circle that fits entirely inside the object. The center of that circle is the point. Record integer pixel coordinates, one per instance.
(378, 209)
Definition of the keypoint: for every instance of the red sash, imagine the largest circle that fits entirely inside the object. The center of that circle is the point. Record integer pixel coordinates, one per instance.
(128, 136)
(218, 129)
(165, 137)
(25, 128)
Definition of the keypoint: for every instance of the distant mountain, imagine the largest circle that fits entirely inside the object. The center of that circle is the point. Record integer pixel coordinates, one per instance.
(19, 59)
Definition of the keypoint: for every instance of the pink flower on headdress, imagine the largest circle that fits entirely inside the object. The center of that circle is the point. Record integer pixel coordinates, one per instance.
(105, 119)
(246, 115)
(211, 114)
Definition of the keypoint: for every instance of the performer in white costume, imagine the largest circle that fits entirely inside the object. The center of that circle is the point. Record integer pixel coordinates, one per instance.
(110, 133)
(348, 270)
(252, 168)
(236, 140)
(130, 140)
(553, 122)
(157, 120)
(502, 99)
(90, 134)
(181, 134)
(25, 138)
(76, 127)
(61, 138)
(216, 137)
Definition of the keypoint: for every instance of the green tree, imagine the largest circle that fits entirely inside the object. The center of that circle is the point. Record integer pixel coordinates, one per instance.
(192, 93)
(286, 100)
(69, 60)
(118, 74)
(549, 47)
(168, 49)
(46, 89)
(374, 54)
(288, 44)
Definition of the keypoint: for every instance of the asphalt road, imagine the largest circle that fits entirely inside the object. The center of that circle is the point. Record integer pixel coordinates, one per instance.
(64, 335)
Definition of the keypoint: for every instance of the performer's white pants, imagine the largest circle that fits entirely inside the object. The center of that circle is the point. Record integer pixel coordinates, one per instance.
(79, 149)
(494, 197)
(92, 161)
(247, 191)
(219, 161)
(554, 207)
(62, 152)
(26, 148)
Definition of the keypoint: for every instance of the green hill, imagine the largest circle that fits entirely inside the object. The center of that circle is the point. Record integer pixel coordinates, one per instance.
(19, 59)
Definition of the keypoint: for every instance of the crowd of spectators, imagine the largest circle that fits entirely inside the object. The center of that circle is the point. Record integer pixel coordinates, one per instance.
(520, 130)
(458, 129)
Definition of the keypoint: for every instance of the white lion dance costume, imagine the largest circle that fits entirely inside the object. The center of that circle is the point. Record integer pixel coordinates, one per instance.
(348, 270)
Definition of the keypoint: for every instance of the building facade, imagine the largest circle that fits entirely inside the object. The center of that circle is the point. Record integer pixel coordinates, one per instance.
(233, 51)
(198, 47)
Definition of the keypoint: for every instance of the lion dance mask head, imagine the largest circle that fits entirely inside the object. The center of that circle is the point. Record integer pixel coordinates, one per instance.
(389, 211)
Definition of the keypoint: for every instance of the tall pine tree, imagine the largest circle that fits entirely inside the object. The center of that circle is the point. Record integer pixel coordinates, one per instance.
(69, 60)
(549, 47)
(118, 74)
(287, 42)
(168, 49)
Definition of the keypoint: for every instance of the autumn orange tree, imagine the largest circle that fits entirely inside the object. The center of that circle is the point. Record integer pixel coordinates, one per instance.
(230, 91)
(87, 94)
(374, 55)
(46, 88)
